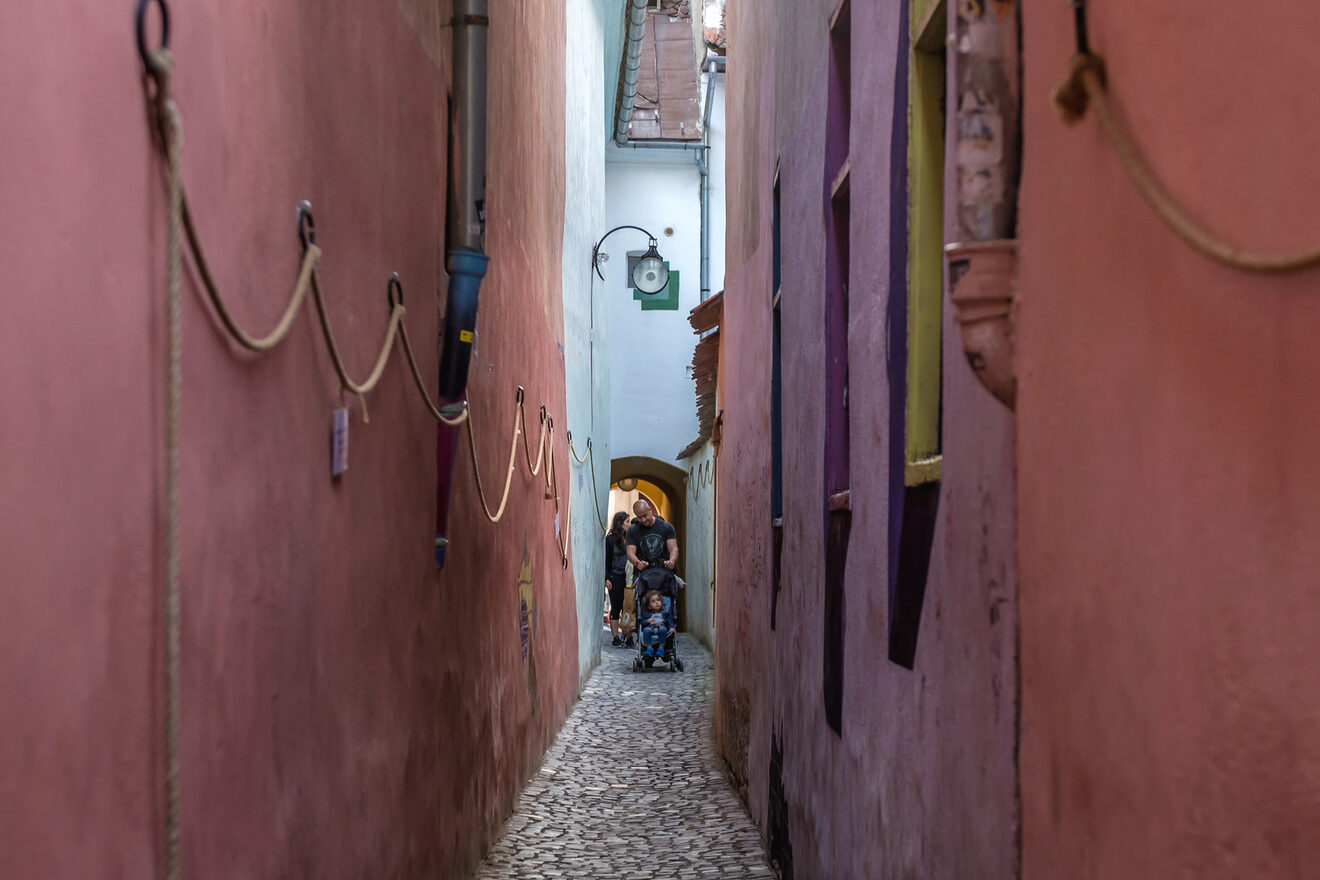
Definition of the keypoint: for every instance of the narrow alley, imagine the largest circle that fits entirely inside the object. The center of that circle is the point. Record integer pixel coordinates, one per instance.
(632, 786)
(941, 376)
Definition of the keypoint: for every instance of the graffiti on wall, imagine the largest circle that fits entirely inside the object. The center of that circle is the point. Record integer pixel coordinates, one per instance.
(527, 621)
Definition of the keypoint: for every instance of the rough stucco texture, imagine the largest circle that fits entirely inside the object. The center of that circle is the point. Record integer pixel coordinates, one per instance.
(920, 783)
(347, 709)
(1171, 685)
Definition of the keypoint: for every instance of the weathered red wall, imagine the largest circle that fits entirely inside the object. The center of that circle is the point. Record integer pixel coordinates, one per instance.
(921, 783)
(1167, 422)
(348, 710)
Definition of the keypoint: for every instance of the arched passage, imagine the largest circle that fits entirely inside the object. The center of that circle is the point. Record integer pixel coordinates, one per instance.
(623, 499)
(671, 482)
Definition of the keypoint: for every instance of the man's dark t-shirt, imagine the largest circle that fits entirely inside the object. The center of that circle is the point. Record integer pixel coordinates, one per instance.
(650, 541)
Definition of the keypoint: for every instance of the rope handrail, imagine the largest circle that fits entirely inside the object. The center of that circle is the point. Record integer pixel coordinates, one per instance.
(552, 491)
(171, 127)
(311, 255)
(590, 456)
(540, 444)
(168, 131)
(1086, 87)
(508, 476)
(160, 69)
(439, 416)
(573, 452)
(336, 358)
(545, 454)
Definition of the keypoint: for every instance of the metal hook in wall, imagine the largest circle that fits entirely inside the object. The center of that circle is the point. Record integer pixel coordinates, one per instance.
(1079, 24)
(306, 224)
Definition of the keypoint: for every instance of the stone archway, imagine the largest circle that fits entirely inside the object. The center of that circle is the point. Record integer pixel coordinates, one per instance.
(672, 481)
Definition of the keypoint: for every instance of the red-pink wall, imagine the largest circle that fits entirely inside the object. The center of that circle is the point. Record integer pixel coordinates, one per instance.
(921, 780)
(347, 709)
(1167, 425)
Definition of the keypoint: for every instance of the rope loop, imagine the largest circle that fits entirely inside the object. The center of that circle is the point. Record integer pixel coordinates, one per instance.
(1086, 87)
(533, 468)
(583, 459)
(451, 414)
(149, 56)
(169, 126)
(508, 473)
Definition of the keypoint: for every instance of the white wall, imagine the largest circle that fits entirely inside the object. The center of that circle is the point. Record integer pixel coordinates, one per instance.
(718, 131)
(700, 542)
(652, 399)
(587, 45)
(699, 545)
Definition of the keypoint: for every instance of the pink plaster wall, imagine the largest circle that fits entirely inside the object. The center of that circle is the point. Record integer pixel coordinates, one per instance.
(348, 710)
(922, 781)
(1167, 422)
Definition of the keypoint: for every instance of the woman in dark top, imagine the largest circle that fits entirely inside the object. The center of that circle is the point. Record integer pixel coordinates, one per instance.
(616, 576)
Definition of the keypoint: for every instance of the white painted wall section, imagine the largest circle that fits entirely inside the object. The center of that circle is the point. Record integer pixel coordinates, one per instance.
(586, 329)
(652, 399)
(699, 545)
(718, 131)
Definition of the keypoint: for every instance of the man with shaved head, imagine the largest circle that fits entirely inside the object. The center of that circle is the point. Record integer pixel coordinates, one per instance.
(653, 551)
(651, 540)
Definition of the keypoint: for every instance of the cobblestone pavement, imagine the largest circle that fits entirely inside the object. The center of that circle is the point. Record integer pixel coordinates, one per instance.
(672, 816)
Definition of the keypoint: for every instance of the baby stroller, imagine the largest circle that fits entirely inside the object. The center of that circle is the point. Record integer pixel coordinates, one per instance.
(665, 582)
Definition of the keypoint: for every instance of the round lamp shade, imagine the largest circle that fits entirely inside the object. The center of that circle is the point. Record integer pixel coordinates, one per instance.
(650, 275)
(627, 484)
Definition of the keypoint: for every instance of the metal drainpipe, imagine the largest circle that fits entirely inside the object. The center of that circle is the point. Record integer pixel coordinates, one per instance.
(632, 59)
(703, 168)
(680, 146)
(466, 213)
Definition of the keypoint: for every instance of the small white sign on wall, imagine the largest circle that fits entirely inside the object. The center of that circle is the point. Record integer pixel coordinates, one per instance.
(339, 443)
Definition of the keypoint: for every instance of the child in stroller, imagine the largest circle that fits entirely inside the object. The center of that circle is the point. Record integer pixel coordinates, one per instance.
(657, 614)
(657, 625)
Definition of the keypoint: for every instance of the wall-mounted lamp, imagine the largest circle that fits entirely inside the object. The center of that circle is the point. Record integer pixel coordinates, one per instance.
(650, 275)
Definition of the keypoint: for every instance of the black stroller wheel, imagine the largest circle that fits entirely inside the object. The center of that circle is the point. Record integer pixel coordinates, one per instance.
(637, 664)
(678, 664)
